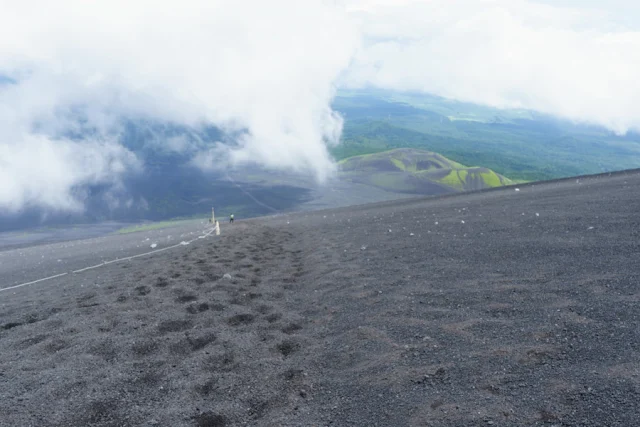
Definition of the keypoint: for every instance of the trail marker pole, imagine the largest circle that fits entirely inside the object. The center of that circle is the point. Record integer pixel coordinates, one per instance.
(213, 216)
(217, 228)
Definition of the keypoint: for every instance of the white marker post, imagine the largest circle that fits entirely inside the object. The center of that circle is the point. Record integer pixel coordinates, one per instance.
(213, 216)
(217, 228)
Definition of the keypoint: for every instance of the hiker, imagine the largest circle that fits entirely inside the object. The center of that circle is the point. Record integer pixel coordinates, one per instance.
(231, 218)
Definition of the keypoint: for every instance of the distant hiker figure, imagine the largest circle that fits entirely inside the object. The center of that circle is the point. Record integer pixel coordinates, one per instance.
(231, 218)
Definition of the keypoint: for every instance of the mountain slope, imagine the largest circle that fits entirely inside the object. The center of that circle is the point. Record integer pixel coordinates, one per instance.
(523, 145)
(408, 170)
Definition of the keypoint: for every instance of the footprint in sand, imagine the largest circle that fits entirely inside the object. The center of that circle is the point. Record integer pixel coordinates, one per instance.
(186, 298)
(142, 290)
(198, 280)
(288, 347)
(11, 325)
(291, 328)
(241, 319)
(55, 345)
(174, 326)
(274, 317)
(198, 308)
(209, 419)
(144, 348)
(200, 342)
(162, 282)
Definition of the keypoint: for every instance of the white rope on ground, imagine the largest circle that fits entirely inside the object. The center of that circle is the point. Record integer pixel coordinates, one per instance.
(145, 253)
(183, 243)
(35, 281)
(249, 195)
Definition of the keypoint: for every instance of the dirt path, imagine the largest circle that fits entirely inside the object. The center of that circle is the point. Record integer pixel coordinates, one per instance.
(171, 343)
(501, 308)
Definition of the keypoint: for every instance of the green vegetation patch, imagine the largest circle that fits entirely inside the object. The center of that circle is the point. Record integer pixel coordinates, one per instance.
(453, 180)
(408, 170)
(473, 179)
(151, 226)
(393, 181)
(492, 179)
(399, 164)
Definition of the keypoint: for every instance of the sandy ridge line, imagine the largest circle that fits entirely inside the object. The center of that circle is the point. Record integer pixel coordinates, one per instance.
(102, 264)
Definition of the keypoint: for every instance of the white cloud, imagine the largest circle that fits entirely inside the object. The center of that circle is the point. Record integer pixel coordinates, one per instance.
(270, 68)
(580, 63)
(265, 67)
(38, 171)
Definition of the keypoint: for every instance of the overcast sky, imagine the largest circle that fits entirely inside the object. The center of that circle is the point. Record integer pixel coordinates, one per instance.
(272, 68)
(578, 60)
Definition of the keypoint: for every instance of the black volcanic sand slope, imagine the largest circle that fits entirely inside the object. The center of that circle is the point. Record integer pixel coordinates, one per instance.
(506, 308)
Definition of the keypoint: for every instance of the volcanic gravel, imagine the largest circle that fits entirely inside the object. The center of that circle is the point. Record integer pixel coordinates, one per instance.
(514, 307)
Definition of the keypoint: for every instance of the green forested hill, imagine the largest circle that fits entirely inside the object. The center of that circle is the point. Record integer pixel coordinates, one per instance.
(519, 144)
(417, 171)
